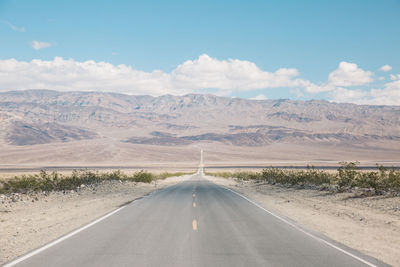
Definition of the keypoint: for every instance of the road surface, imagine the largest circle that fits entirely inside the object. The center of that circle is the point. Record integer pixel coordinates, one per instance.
(194, 223)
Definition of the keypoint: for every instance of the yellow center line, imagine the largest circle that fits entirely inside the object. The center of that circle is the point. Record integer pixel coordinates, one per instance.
(194, 204)
(194, 224)
(194, 195)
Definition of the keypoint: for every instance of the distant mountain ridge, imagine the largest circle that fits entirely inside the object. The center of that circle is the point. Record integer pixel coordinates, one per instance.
(43, 116)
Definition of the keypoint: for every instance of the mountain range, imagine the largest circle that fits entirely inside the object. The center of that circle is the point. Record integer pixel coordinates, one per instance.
(41, 119)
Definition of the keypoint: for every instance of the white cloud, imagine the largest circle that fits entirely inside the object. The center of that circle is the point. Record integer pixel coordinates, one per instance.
(40, 45)
(393, 85)
(205, 72)
(232, 74)
(386, 68)
(345, 95)
(297, 92)
(259, 97)
(13, 27)
(394, 77)
(389, 95)
(349, 74)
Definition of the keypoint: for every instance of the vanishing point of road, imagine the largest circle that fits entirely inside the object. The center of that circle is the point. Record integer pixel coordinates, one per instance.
(194, 223)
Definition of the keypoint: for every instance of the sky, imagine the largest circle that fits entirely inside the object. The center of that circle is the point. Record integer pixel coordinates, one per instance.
(342, 51)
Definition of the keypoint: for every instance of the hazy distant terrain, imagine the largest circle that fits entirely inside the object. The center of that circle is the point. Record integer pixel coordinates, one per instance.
(50, 127)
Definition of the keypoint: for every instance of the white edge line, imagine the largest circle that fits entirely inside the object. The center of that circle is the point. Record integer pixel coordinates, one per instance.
(303, 231)
(37, 251)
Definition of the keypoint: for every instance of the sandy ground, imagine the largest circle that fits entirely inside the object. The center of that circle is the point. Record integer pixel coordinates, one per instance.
(29, 221)
(111, 152)
(370, 224)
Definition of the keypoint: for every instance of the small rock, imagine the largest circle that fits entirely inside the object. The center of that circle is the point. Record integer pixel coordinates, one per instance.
(82, 186)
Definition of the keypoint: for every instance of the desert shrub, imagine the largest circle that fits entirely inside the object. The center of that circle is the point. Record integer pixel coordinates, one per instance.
(385, 180)
(143, 177)
(319, 177)
(311, 176)
(370, 180)
(281, 176)
(22, 184)
(220, 174)
(347, 174)
(54, 181)
(246, 175)
(393, 180)
(241, 175)
(115, 175)
(272, 175)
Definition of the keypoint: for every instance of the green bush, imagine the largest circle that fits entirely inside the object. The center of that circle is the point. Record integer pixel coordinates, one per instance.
(393, 180)
(348, 175)
(143, 177)
(54, 181)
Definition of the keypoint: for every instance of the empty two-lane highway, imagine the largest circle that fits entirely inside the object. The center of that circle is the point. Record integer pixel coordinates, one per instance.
(193, 223)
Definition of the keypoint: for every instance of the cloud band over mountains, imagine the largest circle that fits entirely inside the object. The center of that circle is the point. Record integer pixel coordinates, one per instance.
(224, 77)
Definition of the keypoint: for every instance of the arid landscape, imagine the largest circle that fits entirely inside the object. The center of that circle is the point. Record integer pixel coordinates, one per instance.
(63, 131)
(199, 133)
(50, 128)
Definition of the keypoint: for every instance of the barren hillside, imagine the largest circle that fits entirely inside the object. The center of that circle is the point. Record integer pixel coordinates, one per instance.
(114, 125)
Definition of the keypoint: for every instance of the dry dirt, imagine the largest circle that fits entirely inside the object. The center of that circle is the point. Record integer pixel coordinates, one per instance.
(370, 224)
(113, 153)
(29, 221)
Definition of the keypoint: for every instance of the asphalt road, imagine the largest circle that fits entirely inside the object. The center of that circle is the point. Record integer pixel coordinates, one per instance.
(195, 223)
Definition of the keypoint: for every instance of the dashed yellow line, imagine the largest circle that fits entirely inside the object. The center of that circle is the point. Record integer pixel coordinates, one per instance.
(194, 195)
(194, 204)
(194, 224)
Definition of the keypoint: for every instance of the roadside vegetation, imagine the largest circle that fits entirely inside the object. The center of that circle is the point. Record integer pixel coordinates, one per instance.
(347, 177)
(54, 181)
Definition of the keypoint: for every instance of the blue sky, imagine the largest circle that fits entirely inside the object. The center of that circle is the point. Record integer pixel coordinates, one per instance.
(312, 37)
